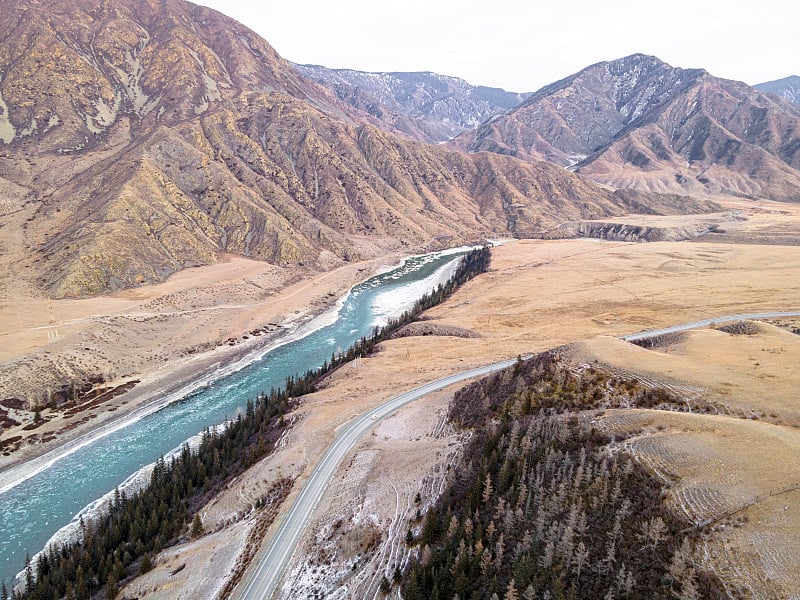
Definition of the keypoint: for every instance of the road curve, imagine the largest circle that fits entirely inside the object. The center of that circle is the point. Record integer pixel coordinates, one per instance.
(263, 580)
(706, 322)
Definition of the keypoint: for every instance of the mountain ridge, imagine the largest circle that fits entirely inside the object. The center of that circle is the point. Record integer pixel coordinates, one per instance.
(426, 106)
(184, 136)
(787, 87)
(639, 122)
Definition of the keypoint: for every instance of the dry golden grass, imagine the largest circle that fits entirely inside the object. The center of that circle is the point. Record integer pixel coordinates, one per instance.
(743, 471)
(539, 295)
(750, 376)
(738, 477)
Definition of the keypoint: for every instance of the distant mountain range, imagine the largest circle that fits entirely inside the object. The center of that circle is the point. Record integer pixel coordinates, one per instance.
(788, 87)
(637, 122)
(428, 107)
(140, 137)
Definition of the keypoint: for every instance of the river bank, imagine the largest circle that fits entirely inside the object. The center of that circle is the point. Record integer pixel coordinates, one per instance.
(384, 305)
(296, 309)
(39, 494)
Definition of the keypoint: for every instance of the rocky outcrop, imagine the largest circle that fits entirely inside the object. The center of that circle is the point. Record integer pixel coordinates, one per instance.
(72, 70)
(623, 232)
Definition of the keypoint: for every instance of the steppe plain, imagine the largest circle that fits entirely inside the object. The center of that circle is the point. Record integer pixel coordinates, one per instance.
(576, 294)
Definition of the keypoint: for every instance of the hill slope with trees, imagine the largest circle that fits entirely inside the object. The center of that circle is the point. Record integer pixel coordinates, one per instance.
(543, 505)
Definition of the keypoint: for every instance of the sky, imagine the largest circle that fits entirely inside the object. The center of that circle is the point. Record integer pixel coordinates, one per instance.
(523, 45)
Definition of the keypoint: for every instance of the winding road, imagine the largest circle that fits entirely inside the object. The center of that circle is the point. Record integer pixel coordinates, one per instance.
(706, 322)
(262, 581)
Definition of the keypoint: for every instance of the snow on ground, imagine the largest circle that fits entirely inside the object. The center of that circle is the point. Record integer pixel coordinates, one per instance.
(358, 535)
(189, 571)
(393, 303)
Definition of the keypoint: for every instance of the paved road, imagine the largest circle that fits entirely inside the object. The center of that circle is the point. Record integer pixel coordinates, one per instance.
(706, 322)
(262, 582)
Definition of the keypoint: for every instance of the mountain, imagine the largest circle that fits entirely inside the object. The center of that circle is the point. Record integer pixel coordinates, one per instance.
(72, 70)
(788, 87)
(426, 106)
(639, 122)
(141, 137)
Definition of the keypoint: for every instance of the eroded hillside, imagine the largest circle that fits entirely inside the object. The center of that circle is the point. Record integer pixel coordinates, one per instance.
(139, 139)
(638, 122)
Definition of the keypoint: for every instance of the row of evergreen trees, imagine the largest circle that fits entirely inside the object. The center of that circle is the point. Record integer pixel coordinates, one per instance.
(547, 384)
(539, 507)
(472, 264)
(123, 542)
(135, 528)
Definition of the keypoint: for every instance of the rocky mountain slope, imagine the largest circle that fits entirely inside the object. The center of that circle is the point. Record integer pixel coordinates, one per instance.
(142, 137)
(788, 87)
(73, 70)
(428, 107)
(639, 122)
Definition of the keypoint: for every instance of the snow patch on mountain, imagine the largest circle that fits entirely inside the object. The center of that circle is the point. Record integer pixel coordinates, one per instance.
(441, 107)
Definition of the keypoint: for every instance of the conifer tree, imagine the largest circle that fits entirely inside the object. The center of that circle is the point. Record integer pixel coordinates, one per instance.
(197, 526)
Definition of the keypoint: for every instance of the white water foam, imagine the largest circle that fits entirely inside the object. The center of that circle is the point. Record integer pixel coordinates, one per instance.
(430, 256)
(47, 460)
(72, 531)
(386, 306)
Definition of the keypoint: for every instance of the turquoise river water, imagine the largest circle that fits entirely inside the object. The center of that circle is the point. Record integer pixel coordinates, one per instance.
(35, 509)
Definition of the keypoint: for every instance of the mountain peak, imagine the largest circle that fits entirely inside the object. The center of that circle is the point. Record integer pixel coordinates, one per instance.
(681, 129)
(423, 105)
(141, 137)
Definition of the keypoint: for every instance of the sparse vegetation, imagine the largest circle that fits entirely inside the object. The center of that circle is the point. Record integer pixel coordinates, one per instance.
(121, 543)
(739, 328)
(541, 507)
(547, 385)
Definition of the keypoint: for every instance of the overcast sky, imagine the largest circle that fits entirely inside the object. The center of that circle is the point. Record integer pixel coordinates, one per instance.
(523, 45)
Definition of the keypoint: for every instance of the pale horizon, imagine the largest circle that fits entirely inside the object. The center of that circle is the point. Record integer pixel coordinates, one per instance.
(521, 47)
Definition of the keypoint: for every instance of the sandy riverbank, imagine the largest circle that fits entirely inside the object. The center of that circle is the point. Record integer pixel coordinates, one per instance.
(184, 376)
(234, 332)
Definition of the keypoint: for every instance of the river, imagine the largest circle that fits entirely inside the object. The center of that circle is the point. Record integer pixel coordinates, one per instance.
(32, 511)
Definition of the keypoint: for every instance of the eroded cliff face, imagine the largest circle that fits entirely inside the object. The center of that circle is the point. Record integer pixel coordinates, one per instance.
(623, 232)
(274, 180)
(638, 122)
(72, 70)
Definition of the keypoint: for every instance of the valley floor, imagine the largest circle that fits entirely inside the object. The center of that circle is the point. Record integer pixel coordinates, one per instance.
(539, 295)
(153, 340)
